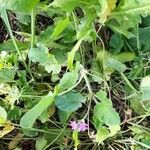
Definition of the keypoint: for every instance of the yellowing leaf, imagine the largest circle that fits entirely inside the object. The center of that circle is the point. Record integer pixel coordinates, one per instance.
(102, 134)
(114, 129)
(7, 128)
(107, 6)
(3, 115)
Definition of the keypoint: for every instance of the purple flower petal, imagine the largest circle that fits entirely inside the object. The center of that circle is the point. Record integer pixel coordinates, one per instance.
(82, 126)
(74, 125)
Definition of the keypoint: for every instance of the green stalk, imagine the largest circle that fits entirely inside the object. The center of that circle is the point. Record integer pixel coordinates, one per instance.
(128, 83)
(5, 18)
(32, 28)
(137, 39)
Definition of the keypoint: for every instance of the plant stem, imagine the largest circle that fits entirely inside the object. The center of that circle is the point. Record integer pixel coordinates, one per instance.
(62, 93)
(137, 39)
(32, 28)
(5, 18)
(128, 83)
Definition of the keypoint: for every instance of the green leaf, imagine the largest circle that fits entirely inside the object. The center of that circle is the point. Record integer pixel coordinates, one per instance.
(128, 11)
(30, 117)
(114, 64)
(68, 80)
(140, 7)
(102, 96)
(7, 75)
(14, 114)
(42, 56)
(86, 26)
(145, 87)
(106, 114)
(124, 57)
(39, 54)
(70, 102)
(104, 111)
(40, 143)
(120, 26)
(66, 5)
(61, 25)
(104, 133)
(63, 116)
(43, 38)
(116, 42)
(9, 46)
(21, 6)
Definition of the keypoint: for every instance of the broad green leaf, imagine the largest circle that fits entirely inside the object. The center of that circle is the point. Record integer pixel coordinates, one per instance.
(40, 143)
(39, 54)
(66, 5)
(44, 37)
(116, 43)
(102, 96)
(7, 75)
(30, 117)
(14, 114)
(9, 46)
(140, 7)
(70, 102)
(60, 26)
(42, 56)
(119, 25)
(21, 6)
(3, 115)
(146, 21)
(145, 87)
(68, 80)
(124, 57)
(113, 61)
(52, 66)
(128, 11)
(46, 114)
(106, 114)
(114, 64)
(63, 116)
(143, 41)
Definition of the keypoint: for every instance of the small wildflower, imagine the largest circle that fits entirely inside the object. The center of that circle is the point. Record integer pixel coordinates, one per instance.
(78, 126)
(82, 126)
(74, 125)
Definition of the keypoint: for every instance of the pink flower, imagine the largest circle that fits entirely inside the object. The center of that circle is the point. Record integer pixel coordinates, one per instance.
(78, 126)
(74, 125)
(82, 126)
